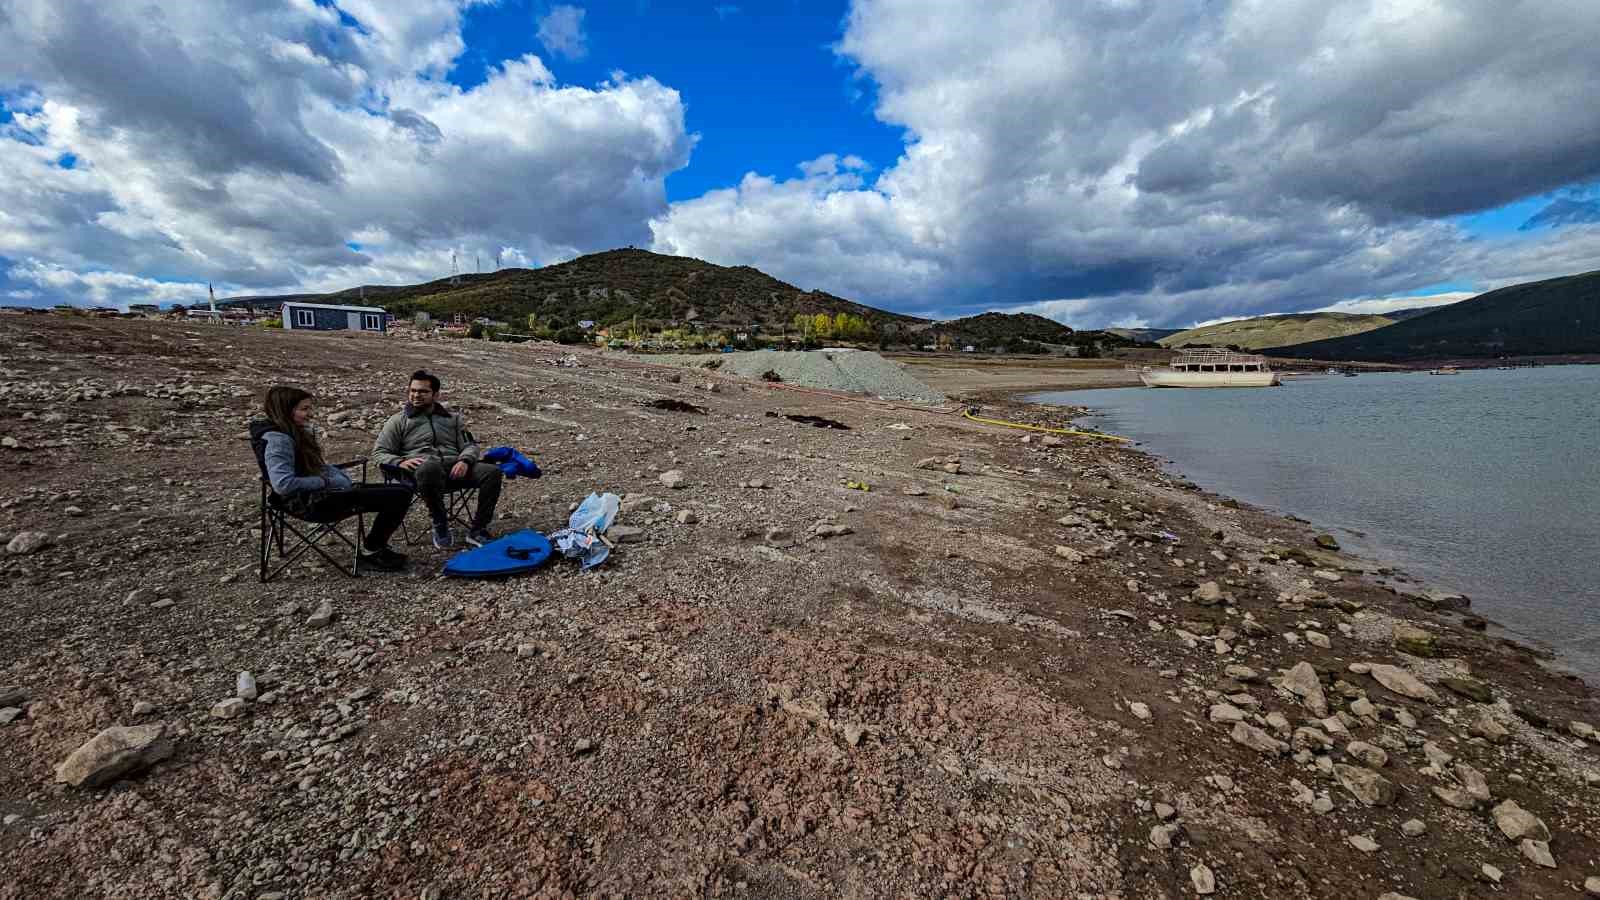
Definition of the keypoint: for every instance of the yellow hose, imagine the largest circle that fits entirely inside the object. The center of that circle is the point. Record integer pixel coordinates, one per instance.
(1092, 434)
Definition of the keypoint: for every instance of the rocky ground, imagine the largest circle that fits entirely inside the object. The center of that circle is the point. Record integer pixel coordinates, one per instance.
(1016, 666)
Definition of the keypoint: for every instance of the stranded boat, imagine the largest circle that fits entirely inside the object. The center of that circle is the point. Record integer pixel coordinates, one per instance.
(1208, 368)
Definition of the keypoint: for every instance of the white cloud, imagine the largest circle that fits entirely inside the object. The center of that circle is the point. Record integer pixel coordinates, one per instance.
(1174, 162)
(561, 32)
(247, 146)
(1380, 305)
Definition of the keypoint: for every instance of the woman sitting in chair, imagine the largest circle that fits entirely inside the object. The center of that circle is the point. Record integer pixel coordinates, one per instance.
(316, 490)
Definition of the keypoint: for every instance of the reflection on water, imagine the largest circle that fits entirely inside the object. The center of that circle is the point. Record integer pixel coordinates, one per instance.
(1487, 482)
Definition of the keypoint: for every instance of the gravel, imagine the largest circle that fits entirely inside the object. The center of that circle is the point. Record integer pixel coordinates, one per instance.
(858, 371)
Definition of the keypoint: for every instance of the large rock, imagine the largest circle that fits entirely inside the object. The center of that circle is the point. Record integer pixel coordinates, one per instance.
(1203, 880)
(1538, 852)
(1366, 785)
(1517, 823)
(1402, 682)
(1302, 682)
(1473, 781)
(114, 753)
(1207, 594)
(1370, 754)
(1488, 728)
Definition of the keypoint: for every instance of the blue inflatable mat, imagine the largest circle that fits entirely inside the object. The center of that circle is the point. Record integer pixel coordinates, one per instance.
(513, 554)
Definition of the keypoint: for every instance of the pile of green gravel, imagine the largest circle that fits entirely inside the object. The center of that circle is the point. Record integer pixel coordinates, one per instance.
(858, 371)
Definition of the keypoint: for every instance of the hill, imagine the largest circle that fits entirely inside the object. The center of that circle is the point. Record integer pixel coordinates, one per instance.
(1555, 316)
(1276, 331)
(1145, 335)
(616, 286)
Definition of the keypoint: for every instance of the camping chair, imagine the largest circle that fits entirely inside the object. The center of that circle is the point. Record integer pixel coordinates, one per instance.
(278, 521)
(460, 499)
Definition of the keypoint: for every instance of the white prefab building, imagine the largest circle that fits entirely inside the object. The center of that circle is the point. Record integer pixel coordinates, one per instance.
(321, 317)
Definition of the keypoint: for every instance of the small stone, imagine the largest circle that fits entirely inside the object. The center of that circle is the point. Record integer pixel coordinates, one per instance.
(231, 708)
(1322, 806)
(527, 651)
(13, 695)
(1318, 639)
(1204, 881)
(28, 542)
(321, 616)
(10, 714)
(163, 603)
(1413, 828)
(687, 517)
(1242, 674)
(672, 478)
(582, 747)
(1591, 885)
(1161, 836)
(1369, 754)
(1491, 874)
(625, 534)
(1207, 594)
(1326, 575)
(1581, 730)
(1069, 554)
(1302, 682)
(1363, 707)
(1455, 798)
(1164, 811)
(1516, 823)
(1473, 781)
(1326, 542)
(1256, 739)
(1363, 843)
(245, 686)
(1366, 785)
(1413, 640)
(1438, 757)
(1402, 682)
(1225, 713)
(1489, 729)
(1538, 852)
(1140, 711)
(1476, 691)
(143, 708)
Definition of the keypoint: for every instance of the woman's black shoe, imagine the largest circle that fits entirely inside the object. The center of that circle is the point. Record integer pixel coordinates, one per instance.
(384, 558)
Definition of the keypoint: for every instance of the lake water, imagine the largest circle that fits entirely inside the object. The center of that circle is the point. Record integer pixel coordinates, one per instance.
(1486, 482)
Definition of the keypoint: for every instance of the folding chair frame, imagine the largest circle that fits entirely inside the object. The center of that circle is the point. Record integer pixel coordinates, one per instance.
(276, 522)
(460, 500)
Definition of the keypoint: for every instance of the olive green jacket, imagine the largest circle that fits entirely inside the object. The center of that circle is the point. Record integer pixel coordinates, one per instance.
(439, 434)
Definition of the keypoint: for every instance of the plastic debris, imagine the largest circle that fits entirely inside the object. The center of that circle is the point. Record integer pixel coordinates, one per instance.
(584, 537)
(858, 485)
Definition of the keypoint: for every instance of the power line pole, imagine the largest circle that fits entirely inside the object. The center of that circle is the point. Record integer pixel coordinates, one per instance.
(455, 273)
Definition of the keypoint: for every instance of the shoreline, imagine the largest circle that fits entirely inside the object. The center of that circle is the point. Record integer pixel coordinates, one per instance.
(1420, 589)
(1016, 665)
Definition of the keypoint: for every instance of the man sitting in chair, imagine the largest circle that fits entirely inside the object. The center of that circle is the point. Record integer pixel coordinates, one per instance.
(428, 442)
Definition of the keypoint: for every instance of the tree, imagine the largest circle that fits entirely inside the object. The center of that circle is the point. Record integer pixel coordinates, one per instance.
(475, 330)
(822, 326)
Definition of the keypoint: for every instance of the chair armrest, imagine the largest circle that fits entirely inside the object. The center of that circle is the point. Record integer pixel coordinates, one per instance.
(351, 464)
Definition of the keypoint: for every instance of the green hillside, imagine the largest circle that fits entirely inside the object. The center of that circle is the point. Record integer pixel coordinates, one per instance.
(1276, 331)
(620, 286)
(1556, 316)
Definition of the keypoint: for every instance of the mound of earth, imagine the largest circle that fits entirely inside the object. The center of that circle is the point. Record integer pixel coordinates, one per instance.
(858, 371)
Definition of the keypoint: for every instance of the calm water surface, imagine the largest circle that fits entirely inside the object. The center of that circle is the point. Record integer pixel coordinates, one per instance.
(1486, 482)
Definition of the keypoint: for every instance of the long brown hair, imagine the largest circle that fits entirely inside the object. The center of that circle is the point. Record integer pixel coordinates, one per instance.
(280, 404)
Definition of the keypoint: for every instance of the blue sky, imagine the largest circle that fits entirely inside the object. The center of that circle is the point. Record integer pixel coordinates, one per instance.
(1102, 163)
(760, 81)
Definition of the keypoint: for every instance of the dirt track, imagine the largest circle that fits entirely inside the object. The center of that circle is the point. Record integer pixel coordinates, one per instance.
(937, 703)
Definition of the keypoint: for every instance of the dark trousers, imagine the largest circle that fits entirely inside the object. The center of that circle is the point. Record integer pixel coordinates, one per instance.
(433, 478)
(390, 504)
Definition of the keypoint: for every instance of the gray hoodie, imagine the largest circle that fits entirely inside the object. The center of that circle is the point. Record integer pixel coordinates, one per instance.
(286, 482)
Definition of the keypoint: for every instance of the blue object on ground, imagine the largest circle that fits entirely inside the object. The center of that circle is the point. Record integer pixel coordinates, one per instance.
(513, 554)
(513, 463)
(580, 538)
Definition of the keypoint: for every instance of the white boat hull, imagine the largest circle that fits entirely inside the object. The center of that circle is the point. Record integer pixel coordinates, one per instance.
(1170, 378)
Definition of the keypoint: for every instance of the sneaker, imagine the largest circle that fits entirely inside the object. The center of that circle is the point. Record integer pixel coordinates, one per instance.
(477, 537)
(441, 536)
(385, 559)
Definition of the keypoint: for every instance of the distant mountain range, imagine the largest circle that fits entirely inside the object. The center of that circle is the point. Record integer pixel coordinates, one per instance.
(1149, 335)
(620, 285)
(1555, 316)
